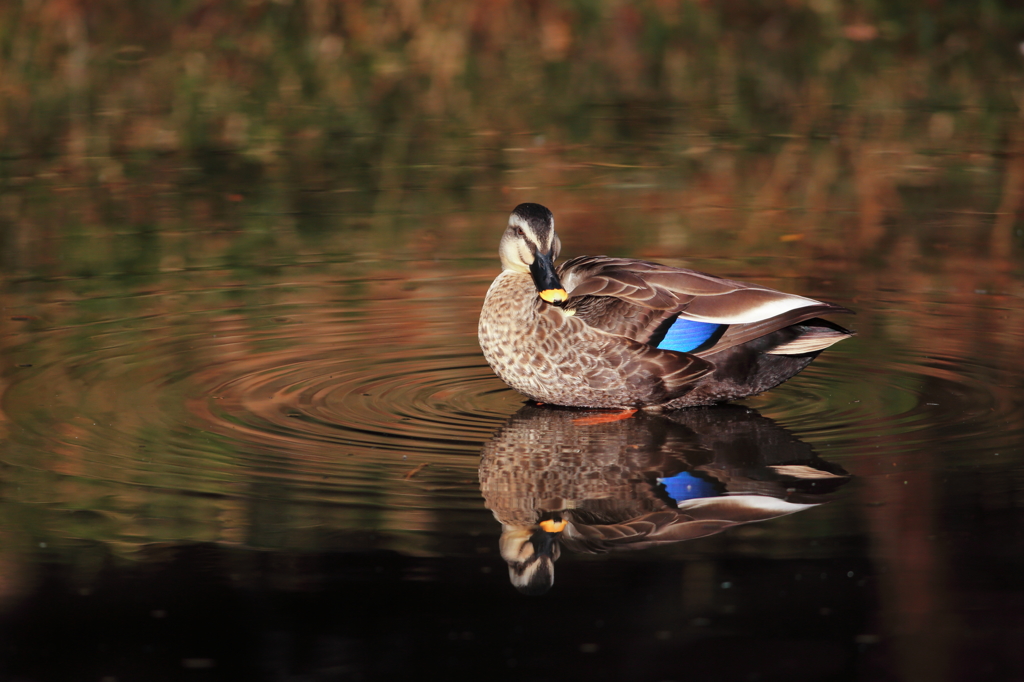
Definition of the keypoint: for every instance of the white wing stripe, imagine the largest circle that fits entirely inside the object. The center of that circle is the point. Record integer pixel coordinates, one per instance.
(764, 311)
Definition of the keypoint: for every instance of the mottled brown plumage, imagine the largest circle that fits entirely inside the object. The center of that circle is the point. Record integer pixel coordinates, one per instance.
(586, 334)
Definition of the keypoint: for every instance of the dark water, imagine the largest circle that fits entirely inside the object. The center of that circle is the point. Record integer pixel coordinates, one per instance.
(246, 432)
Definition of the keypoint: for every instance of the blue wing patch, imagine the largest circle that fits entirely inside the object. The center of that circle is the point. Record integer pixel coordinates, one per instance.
(686, 486)
(686, 335)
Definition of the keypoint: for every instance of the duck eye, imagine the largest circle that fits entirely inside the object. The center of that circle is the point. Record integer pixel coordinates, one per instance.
(519, 232)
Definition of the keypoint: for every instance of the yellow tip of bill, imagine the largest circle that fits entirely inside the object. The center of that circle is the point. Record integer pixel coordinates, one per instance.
(552, 526)
(554, 295)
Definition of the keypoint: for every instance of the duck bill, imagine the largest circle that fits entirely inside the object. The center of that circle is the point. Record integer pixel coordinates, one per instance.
(549, 287)
(553, 525)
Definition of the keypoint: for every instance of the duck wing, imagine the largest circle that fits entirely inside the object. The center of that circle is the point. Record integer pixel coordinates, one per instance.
(638, 299)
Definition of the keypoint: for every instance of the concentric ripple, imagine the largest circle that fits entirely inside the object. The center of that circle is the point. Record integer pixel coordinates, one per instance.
(376, 396)
(324, 400)
(434, 402)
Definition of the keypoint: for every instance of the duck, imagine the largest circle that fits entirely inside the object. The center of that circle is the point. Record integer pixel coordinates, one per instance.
(625, 334)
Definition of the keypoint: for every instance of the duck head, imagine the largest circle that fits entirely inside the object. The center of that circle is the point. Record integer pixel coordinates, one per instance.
(530, 245)
(531, 554)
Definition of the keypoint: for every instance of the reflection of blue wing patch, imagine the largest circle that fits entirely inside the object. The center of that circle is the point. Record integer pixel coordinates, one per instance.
(686, 486)
(685, 335)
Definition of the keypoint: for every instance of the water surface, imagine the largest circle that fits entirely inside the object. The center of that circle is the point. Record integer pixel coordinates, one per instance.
(299, 453)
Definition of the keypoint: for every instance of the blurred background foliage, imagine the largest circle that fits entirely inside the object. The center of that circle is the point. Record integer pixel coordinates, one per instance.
(150, 115)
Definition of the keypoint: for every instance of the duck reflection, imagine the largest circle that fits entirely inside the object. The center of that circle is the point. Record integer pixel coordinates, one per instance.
(559, 477)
